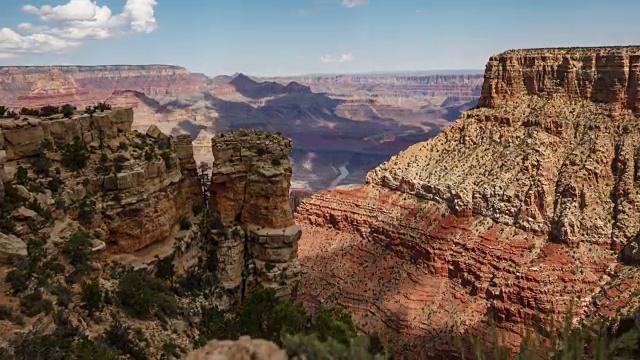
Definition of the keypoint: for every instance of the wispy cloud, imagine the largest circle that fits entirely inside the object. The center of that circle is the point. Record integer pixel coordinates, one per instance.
(66, 26)
(344, 58)
(354, 3)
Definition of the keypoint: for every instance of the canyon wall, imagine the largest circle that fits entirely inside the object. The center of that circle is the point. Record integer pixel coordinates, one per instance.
(608, 75)
(520, 207)
(102, 81)
(249, 195)
(437, 85)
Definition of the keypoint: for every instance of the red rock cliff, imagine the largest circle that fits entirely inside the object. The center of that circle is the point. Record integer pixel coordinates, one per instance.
(517, 208)
(605, 75)
(102, 81)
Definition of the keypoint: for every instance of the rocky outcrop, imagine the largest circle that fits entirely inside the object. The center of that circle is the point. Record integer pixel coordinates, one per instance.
(515, 209)
(26, 136)
(142, 185)
(249, 194)
(603, 75)
(11, 247)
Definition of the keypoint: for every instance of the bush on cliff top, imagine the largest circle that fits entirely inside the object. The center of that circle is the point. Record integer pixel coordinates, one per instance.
(75, 155)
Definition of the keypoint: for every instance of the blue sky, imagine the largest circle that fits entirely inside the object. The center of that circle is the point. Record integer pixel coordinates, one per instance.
(288, 37)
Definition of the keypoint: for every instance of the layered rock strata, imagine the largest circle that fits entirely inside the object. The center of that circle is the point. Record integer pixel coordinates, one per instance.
(102, 81)
(519, 208)
(55, 89)
(608, 75)
(249, 194)
(142, 192)
(26, 136)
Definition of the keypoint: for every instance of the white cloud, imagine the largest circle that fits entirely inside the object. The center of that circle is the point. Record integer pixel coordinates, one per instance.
(354, 3)
(13, 44)
(66, 25)
(344, 58)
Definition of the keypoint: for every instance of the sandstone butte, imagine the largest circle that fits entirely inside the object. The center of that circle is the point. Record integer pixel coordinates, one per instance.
(249, 193)
(526, 203)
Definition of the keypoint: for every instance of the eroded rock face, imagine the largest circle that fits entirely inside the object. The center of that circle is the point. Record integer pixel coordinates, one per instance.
(102, 81)
(142, 186)
(515, 209)
(26, 136)
(57, 89)
(604, 75)
(250, 189)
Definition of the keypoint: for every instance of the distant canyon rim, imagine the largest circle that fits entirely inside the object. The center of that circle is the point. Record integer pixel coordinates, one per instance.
(342, 126)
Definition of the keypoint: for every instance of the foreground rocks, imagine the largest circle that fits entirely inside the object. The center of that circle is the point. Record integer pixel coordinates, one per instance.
(520, 207)
(244, 348)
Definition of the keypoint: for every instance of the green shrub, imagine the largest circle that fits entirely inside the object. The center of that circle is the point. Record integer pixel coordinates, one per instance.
(55, 183)
(18, 279)
(34, 304)
(123, 146)
(68, 110)
(119, 337)
(311, 348)
(78, 249)
(168, 160)
(165, 269)
(75, 155)
(49, 110)
(41, 165)
(22, 176)
(63, 294)
(92, 299)
(85, 349)
(197, 209)
(276, 162)
(185, 224)
(6, 313)
(171, 350)
(87, 211)
(143, 297)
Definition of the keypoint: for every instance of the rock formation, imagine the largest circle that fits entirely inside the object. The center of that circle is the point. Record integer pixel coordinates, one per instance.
(142, 200)
(607, 75)
(249, 194)
(521, 206)
(102, 81)
(57, 89)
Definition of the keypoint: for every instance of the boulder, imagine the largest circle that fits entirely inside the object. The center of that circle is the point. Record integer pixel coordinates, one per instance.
(11, 246)
(22, 191)
(156, 133)
(244, 348)
(24, 214)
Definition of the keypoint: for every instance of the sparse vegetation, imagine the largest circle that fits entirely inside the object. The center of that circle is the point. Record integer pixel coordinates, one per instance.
(92, 299)
(75, 155)
(34, 303)
(185, 224)
(144, 297)
(78, 249)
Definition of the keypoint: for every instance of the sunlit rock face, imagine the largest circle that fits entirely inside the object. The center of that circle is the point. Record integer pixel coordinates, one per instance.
(249, 193)
(520, 206)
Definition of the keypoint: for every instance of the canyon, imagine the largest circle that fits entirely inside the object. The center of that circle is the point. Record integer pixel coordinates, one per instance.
(523, 208)
(352, 121)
